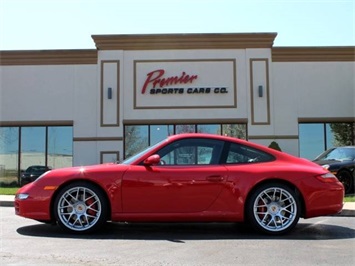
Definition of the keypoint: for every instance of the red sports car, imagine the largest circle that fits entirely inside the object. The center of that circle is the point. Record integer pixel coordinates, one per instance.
(186, 178)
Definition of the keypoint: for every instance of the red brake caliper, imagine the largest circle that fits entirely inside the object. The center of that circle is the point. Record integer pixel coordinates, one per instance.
(89, 202)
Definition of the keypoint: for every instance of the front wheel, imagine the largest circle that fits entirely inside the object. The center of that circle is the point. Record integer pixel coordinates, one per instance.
(273, 209)
(80, 207)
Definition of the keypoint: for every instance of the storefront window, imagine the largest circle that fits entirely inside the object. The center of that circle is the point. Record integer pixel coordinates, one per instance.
(235, 130)
(159, 132)
(311, 138)
(343, 134)
(9, 145)
(329, 137)
(33, 147)
(314, 138)
(39, 145)
(60, 147)
(210, 129)
(179, 129)
(136, 139)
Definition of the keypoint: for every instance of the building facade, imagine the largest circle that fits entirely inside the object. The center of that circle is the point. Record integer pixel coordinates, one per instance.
(73, 107)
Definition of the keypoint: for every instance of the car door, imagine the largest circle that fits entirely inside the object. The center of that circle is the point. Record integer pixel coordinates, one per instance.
(189, 179)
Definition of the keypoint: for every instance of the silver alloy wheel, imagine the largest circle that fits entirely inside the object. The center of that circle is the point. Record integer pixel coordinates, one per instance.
(79, 208)
(275, 209)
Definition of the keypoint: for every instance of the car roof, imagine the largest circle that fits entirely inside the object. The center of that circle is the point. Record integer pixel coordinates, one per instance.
(221, 137)
(203, 135)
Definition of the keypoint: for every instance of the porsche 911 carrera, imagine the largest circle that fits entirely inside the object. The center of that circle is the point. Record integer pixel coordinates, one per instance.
(186, 178)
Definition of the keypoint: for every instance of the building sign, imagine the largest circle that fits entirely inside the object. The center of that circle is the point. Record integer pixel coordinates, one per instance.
(185, 84)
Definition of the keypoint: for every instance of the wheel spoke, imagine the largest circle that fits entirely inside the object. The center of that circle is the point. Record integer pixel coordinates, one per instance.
(90, 216)
(65, 212)
(90, 197)
(69, 203)
(271, 221)
(79, 221)
(92, 204)
(264, 219)
(267, 195)
(287, 210)
(77, 194)
(274, 195)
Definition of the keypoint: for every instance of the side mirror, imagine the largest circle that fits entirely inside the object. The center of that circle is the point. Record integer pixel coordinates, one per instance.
(151, 160)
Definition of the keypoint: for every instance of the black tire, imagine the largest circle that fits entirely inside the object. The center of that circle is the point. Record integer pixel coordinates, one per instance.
(347, 180)
(80, 208)
(273, 209)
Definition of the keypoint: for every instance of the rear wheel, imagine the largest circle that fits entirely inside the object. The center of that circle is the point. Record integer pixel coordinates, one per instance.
(273, 209)
(347, 180)
(80, 207)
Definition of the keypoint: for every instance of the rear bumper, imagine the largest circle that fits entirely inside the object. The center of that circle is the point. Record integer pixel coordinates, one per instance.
(329, 201)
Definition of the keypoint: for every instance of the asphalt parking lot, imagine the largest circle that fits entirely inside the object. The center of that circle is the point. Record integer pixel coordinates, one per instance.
(320, 241)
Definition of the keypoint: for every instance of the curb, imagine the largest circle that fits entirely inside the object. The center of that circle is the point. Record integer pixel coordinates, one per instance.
(7, 201)
(346, 213)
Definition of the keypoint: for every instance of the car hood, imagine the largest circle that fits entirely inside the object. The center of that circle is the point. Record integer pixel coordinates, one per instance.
(93, 172)
(334, 163)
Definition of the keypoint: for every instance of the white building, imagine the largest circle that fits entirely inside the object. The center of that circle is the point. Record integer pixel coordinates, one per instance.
(105, 104)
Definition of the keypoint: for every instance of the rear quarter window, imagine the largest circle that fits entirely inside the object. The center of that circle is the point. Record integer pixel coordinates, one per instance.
(243, 154)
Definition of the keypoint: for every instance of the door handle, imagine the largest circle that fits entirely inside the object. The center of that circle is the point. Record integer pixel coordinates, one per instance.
(215, 178)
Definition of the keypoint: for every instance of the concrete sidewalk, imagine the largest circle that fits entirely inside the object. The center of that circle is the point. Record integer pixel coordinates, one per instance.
(348, 209)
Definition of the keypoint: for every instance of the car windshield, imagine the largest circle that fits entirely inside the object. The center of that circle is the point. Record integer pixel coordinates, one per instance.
(136, 156)
(36, 169)
(339, 154)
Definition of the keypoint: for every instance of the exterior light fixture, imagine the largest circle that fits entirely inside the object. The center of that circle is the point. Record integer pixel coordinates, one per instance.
(260, 91)
(109, 93)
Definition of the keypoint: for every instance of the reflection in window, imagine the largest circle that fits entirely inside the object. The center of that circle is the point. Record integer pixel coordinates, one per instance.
(311, 138)
(136, 139)
(329, 137)
(159, 132)
(33, 146)
(343, 134)
(210, 129)
(235, 130)
(60, 147)
(184, 129)
(243, 154)
(9, 144)
(192, 152)
(314, 138)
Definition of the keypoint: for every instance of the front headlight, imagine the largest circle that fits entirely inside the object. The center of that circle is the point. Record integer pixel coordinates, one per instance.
(22, 196)
(333, 171)
(326, 166)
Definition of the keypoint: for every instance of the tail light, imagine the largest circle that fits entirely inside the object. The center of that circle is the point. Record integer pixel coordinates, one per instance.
(327, 178)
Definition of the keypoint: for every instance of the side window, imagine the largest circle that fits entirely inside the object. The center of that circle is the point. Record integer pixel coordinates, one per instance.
(244, 154)
(192, 152)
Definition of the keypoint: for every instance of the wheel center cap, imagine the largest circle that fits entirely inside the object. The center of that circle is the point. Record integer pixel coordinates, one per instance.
(80, 208)
(273, 209)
